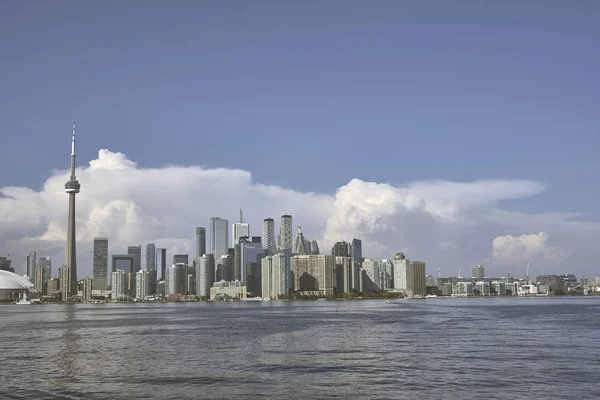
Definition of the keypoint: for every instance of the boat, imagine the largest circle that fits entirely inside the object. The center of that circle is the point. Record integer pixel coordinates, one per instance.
(23, 300)
(388, 301)
(431, 296)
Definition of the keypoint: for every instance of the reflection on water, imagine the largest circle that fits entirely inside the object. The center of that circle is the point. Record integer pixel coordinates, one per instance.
(438, 348)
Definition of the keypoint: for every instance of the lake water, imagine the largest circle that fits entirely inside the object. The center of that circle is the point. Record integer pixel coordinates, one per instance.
(417, 349)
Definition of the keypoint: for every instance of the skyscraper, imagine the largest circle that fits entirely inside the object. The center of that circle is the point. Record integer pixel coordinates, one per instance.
(161, 262)
(356, 259)
(200, 242)
(150, 257)
(151, 268)
(240, 229)
(136, 252)
(46, 264)
(274, 276)
(72, 188)
(205, 274)
(123, 262)
(300, 243)
(341, 249)
(343, 274)
(370, 276)
(285, 232)
(401, 272)
(31, 264)
(219, 237)
(314, 247)
(312, 273)
(100, 263)
(269, 235)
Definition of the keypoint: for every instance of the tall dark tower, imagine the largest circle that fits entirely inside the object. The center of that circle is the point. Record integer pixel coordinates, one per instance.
(72, 188)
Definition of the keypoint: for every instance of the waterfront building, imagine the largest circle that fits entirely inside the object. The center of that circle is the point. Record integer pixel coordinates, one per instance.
(482, 288)
(224, 290)
(200, 241)
(181, 259)
(86, 293)
(568, 280)
(462, 289)
(205, 274)
(269, 236)
(118, 285)
(100, 263)
(312, 273)
(39, 284)
(285, 232)
(274, 279)
(370, 276)
(343, 274)
(72, 187)
(65, 282)
(161, 263)
(52, 286)
(356, 260)
(416, 279)
(219, 237)
(478, 272)
(136, 252)
(401, 264)
(176, 280)
(498, 288)
(386, 273)
(142, 284)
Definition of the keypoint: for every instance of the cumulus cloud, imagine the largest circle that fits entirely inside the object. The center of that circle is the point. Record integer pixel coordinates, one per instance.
(446, 224)
(522, 249)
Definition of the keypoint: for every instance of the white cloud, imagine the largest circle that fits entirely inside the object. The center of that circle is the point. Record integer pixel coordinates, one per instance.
(446, 224)
(522, 249)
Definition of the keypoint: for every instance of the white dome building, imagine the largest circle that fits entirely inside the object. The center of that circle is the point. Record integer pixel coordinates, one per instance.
(12, 285)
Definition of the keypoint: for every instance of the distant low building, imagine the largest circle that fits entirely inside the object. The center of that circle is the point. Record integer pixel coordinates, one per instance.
(224, 290)
(462, 289)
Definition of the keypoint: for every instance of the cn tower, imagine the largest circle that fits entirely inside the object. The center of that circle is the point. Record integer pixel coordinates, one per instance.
(72, 188)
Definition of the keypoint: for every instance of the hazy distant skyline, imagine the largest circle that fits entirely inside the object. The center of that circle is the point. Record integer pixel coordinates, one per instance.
(473, 126)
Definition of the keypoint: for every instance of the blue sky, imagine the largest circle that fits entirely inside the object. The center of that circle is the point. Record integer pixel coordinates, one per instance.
(309, 95)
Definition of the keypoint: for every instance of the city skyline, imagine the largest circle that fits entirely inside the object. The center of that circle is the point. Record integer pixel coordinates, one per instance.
(497, 118)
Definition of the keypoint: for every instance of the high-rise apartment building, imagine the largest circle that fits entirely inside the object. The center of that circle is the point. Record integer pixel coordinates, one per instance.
(151, 267)
(100, 263)
(161, 262)
(312, 273)
(86, 292)
(370, 276)
(400, 272)
(356, 260)
(205, 274)
(478, 272)
(142, 284)
(118, 285)
(40, 280)
(176, 280)
(274, 276)
(136, 251)
(386, 274)
(200, 241)
(269, 236)
(343, 274)
(285, 232)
